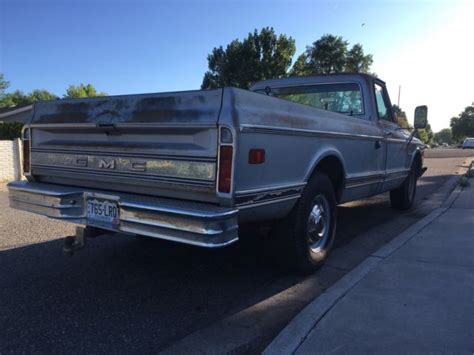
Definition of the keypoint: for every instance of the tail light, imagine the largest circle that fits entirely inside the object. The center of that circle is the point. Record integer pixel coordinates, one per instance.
(225, 168)
(26, 144)
(226, 151)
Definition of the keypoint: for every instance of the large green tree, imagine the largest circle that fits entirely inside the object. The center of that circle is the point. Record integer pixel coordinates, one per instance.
(331, 54)
(401, 116)
(19, 98)
(3, 85)
(82, 90)
(426, 134)
(443, 136)
(262, 55)
(463, 125)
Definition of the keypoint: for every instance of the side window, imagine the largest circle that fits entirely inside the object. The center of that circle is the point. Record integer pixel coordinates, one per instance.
(382, 108)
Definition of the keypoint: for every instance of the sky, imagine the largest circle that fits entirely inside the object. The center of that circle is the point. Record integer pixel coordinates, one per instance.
(125, 47)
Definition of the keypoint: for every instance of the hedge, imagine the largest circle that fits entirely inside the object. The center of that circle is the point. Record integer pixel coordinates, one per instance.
(10, 130)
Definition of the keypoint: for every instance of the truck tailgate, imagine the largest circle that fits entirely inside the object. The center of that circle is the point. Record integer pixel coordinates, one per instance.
(160, 144)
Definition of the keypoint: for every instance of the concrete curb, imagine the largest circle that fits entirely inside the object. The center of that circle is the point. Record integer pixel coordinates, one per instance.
(294, 334)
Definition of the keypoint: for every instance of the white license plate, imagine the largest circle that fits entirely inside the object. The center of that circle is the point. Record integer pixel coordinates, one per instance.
(101, 210)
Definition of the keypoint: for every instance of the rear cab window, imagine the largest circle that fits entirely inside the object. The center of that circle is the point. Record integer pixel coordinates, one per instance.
(345, 98)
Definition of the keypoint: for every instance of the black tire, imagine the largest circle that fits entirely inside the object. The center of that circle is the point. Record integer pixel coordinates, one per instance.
(403, 197)
(293, 247)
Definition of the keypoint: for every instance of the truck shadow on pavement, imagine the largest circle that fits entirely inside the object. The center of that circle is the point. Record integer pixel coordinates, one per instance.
(120, 292)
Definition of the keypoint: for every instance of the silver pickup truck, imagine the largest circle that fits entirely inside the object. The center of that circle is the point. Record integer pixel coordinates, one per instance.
(194, 166)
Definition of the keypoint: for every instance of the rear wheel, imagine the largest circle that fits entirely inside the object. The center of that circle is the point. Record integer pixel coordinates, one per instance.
(304, 239)
(403, 197)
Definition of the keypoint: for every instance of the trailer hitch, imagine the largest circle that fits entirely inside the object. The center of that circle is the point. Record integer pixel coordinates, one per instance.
(77, 242)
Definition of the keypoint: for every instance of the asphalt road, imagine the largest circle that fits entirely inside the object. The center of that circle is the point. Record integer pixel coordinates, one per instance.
(125, 294)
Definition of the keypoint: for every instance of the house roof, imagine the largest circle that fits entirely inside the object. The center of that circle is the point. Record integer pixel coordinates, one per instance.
(6, 112)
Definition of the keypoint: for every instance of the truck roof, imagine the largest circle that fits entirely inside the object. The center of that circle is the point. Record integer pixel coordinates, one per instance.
(312, 79)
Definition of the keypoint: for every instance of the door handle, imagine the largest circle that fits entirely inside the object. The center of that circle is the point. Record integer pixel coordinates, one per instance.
(378, 144)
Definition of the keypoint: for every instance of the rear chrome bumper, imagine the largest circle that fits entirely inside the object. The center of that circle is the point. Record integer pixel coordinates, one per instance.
(186, 222)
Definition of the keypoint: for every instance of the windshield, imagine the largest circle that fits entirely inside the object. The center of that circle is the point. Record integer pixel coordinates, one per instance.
(343, 98)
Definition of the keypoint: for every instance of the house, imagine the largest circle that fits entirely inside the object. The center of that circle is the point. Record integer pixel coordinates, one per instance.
(16, 114)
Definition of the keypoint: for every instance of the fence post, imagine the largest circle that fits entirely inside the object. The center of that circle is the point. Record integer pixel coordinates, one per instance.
(17, 159)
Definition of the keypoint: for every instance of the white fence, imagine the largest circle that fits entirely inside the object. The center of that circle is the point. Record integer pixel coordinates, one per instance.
(10, 160)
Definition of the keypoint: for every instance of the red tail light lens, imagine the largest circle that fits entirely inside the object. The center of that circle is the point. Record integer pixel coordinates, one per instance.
(225, 169)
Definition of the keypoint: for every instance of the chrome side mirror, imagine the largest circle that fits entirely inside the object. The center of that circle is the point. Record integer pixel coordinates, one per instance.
(421, 117)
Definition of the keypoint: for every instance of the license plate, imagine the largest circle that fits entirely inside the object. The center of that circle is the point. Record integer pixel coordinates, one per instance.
(101, 210)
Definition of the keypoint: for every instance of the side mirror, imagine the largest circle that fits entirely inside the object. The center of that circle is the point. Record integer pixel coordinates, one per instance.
(421, 117)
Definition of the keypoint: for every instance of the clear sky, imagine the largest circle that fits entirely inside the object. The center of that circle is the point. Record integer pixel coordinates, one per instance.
(150, 46)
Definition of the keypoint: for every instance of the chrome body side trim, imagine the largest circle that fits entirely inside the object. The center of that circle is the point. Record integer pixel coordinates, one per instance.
(193, 223)
(304, 132)
(374, 178)
(268, 202)
(268, 195)
(270, 188)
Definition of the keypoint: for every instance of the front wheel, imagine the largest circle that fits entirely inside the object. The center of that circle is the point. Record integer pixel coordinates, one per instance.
(403, 197)
(304, 239)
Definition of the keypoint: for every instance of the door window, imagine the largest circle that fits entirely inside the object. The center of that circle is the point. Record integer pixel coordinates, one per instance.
(382, 107)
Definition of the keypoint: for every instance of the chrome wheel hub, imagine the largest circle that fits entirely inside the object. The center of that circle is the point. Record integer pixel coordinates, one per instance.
(318, 223)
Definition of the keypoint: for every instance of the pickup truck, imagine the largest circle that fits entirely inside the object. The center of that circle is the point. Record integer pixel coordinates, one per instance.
(196, 166)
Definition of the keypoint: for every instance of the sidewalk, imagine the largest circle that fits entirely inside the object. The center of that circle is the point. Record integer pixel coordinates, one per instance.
(414, 295)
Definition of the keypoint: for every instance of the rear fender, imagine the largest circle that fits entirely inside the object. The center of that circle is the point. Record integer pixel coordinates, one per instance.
(316, 164)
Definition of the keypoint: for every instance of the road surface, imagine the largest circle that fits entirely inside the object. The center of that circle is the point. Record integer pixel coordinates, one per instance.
(125, 294)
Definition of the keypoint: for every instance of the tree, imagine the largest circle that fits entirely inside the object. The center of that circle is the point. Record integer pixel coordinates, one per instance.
(426, 134)
(41, 95)
(443, 136)
(15, 98)
(18, 98)
(3, 86)
(401, 116)
(463, 125)
(10, 130)
(357, 61)
(262, 55)
(422, 135)
(300, 67)
(330, 54)
(82, 90)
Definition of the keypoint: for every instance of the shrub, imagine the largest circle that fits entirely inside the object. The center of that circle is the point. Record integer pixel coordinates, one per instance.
(10, 130)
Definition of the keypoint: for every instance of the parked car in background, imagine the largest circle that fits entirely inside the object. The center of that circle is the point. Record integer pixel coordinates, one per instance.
(194, 167)
(468, 143)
